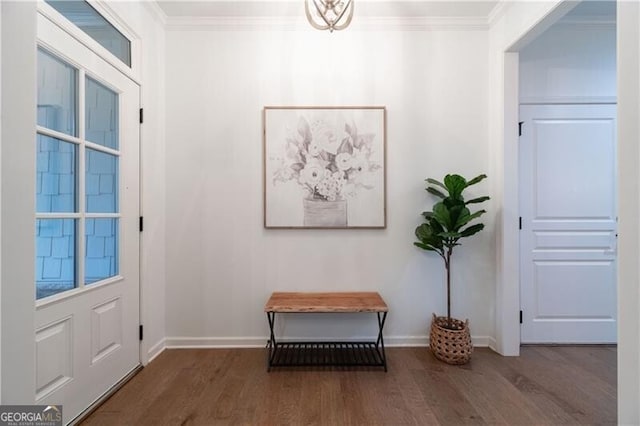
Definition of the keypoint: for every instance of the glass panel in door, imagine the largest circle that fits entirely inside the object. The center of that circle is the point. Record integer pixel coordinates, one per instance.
(57, 214)
(101, 182)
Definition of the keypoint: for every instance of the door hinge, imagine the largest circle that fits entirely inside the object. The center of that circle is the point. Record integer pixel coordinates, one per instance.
(141, 332)
(141, 115)
(141, 223)
(520, 123)
(520, 222)
(520, 317)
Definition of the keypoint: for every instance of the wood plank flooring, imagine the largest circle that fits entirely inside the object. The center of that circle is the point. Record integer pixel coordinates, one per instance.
(545, 385)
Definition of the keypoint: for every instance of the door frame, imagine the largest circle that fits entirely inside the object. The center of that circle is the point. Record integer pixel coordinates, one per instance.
(507, 313)
(508, 241)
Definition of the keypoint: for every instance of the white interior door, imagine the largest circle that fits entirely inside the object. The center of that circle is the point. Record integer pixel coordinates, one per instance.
(87, 237)
(568, 235)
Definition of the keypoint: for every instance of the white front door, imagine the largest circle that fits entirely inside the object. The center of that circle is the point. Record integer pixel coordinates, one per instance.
(568, 232)
(86, 227)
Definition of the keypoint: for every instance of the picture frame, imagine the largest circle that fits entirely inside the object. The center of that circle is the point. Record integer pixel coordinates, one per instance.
(324, 167)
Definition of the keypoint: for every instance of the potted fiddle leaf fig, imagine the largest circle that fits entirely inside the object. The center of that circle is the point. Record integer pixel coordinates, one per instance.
(443, 229)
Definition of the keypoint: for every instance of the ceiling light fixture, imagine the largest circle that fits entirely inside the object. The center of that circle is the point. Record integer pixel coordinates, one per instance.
(329, 14)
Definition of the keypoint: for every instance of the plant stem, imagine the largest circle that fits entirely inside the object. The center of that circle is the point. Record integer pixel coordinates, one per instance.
(448, 267)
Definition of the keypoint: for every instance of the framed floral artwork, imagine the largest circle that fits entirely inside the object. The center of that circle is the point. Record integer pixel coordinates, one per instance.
(324, 167)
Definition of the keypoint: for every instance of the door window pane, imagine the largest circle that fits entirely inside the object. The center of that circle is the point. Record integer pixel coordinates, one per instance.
(101, 260)
(101, 114)
(55, 176)
(85, 17)
(55, 256)
(56, 94)
(101, 182)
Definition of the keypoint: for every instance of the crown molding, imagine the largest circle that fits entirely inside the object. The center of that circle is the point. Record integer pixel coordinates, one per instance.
(497, 12)
(196, 23)
(156, 11)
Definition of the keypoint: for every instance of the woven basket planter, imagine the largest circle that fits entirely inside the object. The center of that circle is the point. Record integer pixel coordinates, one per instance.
(451, 346)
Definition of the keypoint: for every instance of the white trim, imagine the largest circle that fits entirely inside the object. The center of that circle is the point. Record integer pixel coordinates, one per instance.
(215, 342)
(78, 291)
(260, 342)
(507, 333)
(155, 11)
(567, 100)
(252, 23)
(492, 344)
(156, 350)
(67, 26)
(497, 12)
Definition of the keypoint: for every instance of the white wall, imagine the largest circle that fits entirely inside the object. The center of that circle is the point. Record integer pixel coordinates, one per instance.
(222, 264)
(570, 62)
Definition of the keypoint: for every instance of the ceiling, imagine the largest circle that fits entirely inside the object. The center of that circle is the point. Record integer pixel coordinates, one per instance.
(470, 11)
(372, 8)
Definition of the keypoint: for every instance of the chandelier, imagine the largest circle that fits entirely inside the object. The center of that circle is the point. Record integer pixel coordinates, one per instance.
(329, 14)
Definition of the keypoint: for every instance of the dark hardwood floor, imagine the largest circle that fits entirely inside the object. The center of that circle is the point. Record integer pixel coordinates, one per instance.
(545, 385)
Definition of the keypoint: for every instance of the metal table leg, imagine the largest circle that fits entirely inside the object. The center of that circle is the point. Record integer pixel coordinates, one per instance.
(271, 344)
(380, 341)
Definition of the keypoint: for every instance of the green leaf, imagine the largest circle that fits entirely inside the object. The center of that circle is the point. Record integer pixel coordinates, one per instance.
(462, 218)
(455, 185)
(423, 246)
(442, 215)
(425, 233)
(428, 247)
(442, 229)
(452, 203)
(456, 212)
(435, 182)
(432, 190)
(476, 180)
(477, 214)
(297, 166)
(473, 229)
(435, 225)
(478, 200)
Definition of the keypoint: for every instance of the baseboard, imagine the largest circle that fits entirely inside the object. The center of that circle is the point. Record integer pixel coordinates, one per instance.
(260, 342)
(492, 344)
(215, 342)
(156, 350)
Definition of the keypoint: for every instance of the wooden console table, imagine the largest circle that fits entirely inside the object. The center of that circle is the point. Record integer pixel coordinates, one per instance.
(353, 353)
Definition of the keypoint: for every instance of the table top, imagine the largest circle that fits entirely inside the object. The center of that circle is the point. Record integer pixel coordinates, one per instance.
(326, 302)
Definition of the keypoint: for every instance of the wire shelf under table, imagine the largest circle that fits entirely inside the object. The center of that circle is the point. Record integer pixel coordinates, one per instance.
(287, 354)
